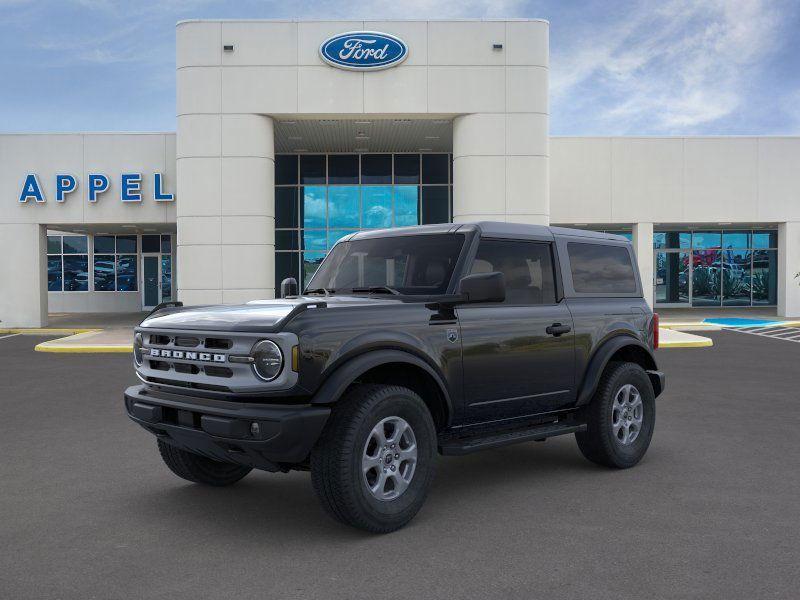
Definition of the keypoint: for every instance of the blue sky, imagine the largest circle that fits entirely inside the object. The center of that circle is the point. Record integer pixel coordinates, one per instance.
(617, 68)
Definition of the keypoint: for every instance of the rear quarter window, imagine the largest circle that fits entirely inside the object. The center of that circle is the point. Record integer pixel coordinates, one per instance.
(601, 269)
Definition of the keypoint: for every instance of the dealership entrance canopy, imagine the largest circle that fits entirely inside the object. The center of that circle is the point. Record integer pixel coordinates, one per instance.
(293, 134)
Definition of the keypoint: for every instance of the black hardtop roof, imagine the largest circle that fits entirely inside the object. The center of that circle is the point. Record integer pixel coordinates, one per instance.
(488, 229)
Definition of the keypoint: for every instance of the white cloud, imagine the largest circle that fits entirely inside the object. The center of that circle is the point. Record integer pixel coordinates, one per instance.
(670, 68)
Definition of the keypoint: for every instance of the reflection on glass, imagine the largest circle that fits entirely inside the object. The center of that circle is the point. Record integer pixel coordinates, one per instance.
(435, 204)
(126, 274)
(166, 244)
(76, 273)
(406, 168)
(672, 277)
(126, 244)
(312, 168)
(376, 206)
(343, 168)
(706, 239)
(54, 244)
(54, 280)
(736, 239)
(314, 206)
(315, 240)
(736, 278)
(765, 239)
(311, 262)
(286, 265)
(104, 244)
(150, 243)
(765, 277)
(343, 206)
(75, 244)
(706, 277)
(334, 235)
(166, 277)
(104, 272)
(672, 239)
(406, 205)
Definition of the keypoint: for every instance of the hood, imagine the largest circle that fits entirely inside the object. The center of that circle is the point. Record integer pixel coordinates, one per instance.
(258, 315)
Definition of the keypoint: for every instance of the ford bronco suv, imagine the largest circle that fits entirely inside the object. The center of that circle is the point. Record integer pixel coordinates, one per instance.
(406, 343)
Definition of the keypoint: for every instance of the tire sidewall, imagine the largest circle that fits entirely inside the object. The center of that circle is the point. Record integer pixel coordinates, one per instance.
(631, 454)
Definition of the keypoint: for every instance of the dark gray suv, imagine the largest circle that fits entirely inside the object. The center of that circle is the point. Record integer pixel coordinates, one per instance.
(406, 343)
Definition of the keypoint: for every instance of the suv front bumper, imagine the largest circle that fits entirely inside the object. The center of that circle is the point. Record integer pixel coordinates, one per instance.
(263, 436)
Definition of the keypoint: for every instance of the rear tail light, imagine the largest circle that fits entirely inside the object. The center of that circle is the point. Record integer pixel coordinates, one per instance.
(655, 331)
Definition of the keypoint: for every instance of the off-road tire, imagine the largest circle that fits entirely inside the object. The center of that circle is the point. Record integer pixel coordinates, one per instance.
(598, 443)
(336, 467)
(199, 469)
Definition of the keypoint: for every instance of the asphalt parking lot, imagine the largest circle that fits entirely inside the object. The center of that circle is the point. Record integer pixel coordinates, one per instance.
(89, 511)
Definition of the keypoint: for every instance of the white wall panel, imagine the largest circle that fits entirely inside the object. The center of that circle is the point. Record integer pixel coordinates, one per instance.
(198, 44)
(259, 43)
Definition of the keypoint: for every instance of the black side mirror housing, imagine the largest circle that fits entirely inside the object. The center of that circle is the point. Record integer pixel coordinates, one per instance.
(483, 287)
(289, 287)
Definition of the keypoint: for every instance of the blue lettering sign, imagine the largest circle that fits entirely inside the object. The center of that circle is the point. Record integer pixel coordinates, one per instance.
(158, 195)
(98, 184)
(65, 184)
(31, 190)
(363, 50)
(131, 188)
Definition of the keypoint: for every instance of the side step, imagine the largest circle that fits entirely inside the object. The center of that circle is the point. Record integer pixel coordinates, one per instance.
(537, 433)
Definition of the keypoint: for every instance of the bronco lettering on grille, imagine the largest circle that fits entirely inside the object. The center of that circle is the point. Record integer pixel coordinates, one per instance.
(181, 354)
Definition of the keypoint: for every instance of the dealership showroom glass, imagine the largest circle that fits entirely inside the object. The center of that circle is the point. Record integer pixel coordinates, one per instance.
(292, 134)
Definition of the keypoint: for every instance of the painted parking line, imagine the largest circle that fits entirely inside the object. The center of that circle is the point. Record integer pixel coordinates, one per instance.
(2, 337)
(789, 334)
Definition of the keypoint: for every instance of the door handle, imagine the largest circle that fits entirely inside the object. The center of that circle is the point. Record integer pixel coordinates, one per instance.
(557, 329)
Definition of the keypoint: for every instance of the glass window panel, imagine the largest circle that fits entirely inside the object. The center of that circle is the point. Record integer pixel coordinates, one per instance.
(672, 239)
(76, 273)
(286, 207)
(765, 277)
(334, 235)
(166, 244)
(672, 278)
(126, 244)
(286, 240)
(765, 239)
(315, 239)
(343, 206)
(286, 265)
(706, 277)
(376, 168)
(736, 239)
(54, 279)
(312, 168)
(435, 205)
(104, 244)
(314, 206)
(706, 239)
(285, 169)
(126, 274)
(600, 269)
(166, 278)
(406, 168)
(54, 244)
(343, 168)
(311, 262)
(626, 234)
(526, 266)
(406, 205)
(376, 206)
(434, 168)
(104, 272)
(150, 243)
(736, 277)
(75, 244)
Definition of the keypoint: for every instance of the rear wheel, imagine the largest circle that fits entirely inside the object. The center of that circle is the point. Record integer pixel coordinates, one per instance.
(199, 469)
(620, 418)
(374, 463)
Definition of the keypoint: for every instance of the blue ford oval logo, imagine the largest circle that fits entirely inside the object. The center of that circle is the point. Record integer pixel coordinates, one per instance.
(363, 50)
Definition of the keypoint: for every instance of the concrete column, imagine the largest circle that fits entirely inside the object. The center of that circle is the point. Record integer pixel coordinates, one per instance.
(501, 168)
(788, 266)
(226, 222)
(23, 272)
(643, 247)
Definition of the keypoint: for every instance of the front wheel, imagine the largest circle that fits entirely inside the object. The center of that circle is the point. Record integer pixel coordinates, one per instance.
(374, 463)
(620, 418)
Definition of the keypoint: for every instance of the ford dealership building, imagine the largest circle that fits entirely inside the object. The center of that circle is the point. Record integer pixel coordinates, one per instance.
(292, 134)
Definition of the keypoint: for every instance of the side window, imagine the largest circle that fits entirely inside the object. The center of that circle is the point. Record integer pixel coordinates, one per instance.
(527, 267)
(601, 269)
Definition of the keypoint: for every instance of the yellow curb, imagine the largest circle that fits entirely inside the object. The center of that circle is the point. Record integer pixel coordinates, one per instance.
(691, 326)
(46, 331)
(47, 347)
(704, 343)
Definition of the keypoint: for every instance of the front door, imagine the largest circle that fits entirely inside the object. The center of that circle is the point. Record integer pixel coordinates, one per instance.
(151, 280)
(519, 355)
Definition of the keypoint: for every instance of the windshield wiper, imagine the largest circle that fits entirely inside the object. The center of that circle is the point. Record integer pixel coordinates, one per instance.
(375, 289)
(321, 290)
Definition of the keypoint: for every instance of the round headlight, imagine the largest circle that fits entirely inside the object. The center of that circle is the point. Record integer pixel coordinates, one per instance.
(268, 360)
(138, 342)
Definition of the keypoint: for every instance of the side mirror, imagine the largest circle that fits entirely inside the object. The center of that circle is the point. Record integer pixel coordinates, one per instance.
(483, 287)
(289, 287)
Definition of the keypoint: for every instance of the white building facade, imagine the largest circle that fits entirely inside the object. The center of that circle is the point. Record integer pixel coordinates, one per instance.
(282, 148)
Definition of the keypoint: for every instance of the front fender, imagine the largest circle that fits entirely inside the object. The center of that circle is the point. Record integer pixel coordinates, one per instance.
(602, 356)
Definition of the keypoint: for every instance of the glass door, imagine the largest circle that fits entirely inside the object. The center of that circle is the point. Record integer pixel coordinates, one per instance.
(151, 280)
(672, 278)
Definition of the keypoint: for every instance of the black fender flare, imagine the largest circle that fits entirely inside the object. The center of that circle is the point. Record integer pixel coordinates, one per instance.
(602, 356)
(340, 379)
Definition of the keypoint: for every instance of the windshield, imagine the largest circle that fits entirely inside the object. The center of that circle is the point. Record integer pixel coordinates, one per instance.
(407, 264)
